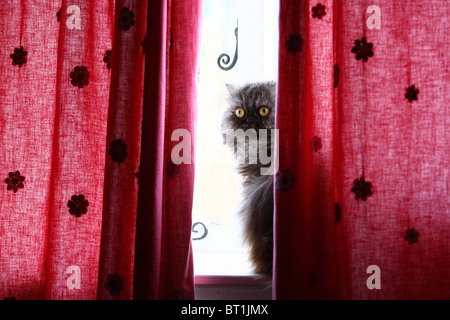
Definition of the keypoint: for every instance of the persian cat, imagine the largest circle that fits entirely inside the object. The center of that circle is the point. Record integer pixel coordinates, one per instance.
(252, 106)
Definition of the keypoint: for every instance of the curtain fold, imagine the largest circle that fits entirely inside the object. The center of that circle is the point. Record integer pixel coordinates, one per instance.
(148, 231)
(164, 266)
(123, 147)
(361, 197)
(81, 92)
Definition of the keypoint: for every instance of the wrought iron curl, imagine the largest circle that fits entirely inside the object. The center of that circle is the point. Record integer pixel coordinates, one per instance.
(205, 230)
(224, 59)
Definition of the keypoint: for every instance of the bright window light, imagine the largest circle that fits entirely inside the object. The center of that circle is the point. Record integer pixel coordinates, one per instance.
(217, 185)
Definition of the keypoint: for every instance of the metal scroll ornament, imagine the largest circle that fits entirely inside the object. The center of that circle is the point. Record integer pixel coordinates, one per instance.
(224, 59)
(205, 231)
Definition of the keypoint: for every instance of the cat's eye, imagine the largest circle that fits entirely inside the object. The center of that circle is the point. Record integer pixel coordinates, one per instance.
(264, 111)
(239, 112)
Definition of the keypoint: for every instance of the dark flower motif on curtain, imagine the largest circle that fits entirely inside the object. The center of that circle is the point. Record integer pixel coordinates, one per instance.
(114, 284)
(177, 295)
(107, 58)
(80, 76)
(411, 93)
(126, 19)
(19, 57)
(362, 189)
(285, 180)
(118, 150)
(294, 43)
(363, 49)
(337, 72)
(58, 15)
(14, 181)
(172, 169)
(316, 143)
(412, 236)
(78, 205)
(318, 11)
(337, 212)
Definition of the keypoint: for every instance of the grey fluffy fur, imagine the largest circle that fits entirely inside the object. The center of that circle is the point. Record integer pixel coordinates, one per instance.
(257, 206)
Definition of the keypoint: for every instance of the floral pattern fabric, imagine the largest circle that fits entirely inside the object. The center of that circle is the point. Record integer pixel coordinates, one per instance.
(56, 144)
(361, 119)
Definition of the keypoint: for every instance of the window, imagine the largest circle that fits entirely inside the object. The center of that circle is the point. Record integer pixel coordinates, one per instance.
(217, 186)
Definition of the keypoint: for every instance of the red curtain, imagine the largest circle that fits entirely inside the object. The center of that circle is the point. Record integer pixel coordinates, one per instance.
(363, 180)
(93, 207)
(163, 263)
(78, 172)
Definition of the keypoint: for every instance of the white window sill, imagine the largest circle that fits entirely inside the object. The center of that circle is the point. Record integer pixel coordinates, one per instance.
(225, 280)
(251, 287)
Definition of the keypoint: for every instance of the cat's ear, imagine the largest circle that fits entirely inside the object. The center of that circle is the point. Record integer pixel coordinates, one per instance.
(273, 88)
(231, 89)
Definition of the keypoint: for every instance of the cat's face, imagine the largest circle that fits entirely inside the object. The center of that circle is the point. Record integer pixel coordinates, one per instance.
(252, 106)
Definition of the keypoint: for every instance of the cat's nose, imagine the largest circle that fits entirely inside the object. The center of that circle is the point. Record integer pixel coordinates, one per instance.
(250, 121)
